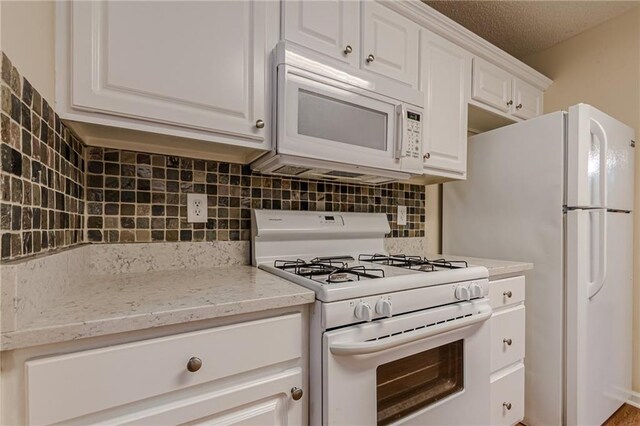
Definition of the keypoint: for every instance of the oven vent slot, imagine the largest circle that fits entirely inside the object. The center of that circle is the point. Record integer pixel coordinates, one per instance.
(417, 328)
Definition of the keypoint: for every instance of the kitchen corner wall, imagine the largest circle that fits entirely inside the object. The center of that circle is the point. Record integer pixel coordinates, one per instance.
(41, 172)
(601, 67)
(57, 192)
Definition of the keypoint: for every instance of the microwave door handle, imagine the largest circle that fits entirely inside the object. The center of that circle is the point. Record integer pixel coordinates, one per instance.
(400, 114)
(363, 348)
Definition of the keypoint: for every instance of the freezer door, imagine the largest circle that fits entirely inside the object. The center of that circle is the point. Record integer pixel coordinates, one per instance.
(599, 314)
(599, 160)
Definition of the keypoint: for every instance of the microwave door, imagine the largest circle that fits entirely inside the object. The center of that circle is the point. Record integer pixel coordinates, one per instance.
(323, 119)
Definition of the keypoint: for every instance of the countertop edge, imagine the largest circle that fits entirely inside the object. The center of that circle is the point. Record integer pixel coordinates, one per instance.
(38, 336)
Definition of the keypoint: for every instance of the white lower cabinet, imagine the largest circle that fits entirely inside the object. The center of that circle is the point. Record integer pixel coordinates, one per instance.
(223, 375)
(507, 350)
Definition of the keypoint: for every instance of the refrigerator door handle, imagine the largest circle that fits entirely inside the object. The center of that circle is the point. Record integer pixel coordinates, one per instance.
(598, 131)
(596, 285)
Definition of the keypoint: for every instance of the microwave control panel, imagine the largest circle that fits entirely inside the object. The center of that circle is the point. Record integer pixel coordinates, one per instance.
(411, 148)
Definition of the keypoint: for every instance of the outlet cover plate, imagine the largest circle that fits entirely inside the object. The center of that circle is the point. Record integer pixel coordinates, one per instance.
(402, 215)
(197, 208)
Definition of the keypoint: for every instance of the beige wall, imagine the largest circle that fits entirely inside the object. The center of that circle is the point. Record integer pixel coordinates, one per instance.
(27, 37)
(601, 67)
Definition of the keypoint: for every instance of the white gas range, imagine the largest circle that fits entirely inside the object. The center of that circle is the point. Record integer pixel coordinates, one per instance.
(394, 338)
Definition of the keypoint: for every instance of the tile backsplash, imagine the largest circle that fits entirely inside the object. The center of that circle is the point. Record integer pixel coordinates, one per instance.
(41, 172)
(138, 197)
(57, 192)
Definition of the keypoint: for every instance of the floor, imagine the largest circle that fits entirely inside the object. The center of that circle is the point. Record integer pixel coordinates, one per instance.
(627, 415)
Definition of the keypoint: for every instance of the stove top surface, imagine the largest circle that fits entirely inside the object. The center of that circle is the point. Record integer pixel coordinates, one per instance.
(340, 277)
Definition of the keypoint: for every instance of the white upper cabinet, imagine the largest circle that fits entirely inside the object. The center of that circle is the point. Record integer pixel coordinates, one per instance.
(446, 82)
(504, 93)
(200, 66)
(389, 43)
(527, 100)
(492, 85)
(329, 27)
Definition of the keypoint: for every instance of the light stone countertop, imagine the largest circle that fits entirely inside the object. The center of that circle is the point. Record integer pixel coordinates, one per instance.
(109, 304)
(495, 267)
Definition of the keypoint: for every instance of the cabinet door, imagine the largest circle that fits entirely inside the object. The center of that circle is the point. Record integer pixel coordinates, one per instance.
(446, 83)
(389, 43)
(329, 27)
(527, 100)
(201, 67)
(492, 85)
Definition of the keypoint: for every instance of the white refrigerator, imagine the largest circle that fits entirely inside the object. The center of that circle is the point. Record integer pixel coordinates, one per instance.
(557, 190)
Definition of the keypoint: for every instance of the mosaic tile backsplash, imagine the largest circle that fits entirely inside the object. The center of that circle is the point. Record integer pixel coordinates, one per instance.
(137, 197)
(57, 192)
(41, 172)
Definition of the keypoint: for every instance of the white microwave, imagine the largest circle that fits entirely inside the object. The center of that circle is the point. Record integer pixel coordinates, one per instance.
(340, 124)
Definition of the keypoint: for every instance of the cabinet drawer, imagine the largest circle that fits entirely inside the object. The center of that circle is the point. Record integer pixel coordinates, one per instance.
(67, 386)
(507, 337)
(507, 397)
(506, 292)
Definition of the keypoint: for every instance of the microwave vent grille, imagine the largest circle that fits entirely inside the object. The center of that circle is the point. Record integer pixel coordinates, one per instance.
(291, 170)
(339, 173)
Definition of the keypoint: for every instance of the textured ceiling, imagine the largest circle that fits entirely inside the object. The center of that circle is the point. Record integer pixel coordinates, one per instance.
(525, 27)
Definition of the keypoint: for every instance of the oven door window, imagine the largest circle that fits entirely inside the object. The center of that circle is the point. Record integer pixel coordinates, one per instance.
(332, 119)
(412, 383)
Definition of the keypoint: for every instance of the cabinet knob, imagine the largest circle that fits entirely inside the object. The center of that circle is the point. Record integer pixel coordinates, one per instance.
(507, 294)
(510, 103)
(507, 341)
(507, 405)
(518, 106)
(426, 156)
(194, 364)
(370, 59)
(348, 49)
(296, 393)
(260, 124)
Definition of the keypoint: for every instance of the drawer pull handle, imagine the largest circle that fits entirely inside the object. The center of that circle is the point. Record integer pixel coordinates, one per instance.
(507, 294)
(260, 124)
(348, 49)
(370, 59)
(507, 341)
(296, 393)
(507, 405)
(194, 364)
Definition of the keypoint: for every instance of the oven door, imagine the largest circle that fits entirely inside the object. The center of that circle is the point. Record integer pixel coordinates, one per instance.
(322, 118)
(428, 367)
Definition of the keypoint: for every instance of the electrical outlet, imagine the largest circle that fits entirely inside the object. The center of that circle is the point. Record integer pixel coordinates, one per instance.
(197, 208)
(402, 215)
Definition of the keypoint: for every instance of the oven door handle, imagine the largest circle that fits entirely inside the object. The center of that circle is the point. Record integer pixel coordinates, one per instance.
(363, 348)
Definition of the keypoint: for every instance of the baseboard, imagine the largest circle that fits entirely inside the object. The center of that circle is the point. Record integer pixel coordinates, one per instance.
(634, 399)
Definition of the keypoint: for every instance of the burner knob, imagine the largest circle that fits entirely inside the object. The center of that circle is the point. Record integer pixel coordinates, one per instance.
(363, 311)
(383, 307)
(462, 293)
(476, 290)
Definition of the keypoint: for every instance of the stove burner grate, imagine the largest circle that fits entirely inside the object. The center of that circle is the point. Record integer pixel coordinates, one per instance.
(413, 262)
(335, 269)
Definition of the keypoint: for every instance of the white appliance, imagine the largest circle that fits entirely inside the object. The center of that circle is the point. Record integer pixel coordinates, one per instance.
(557, 190)
(394, 339)
(337, 123)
